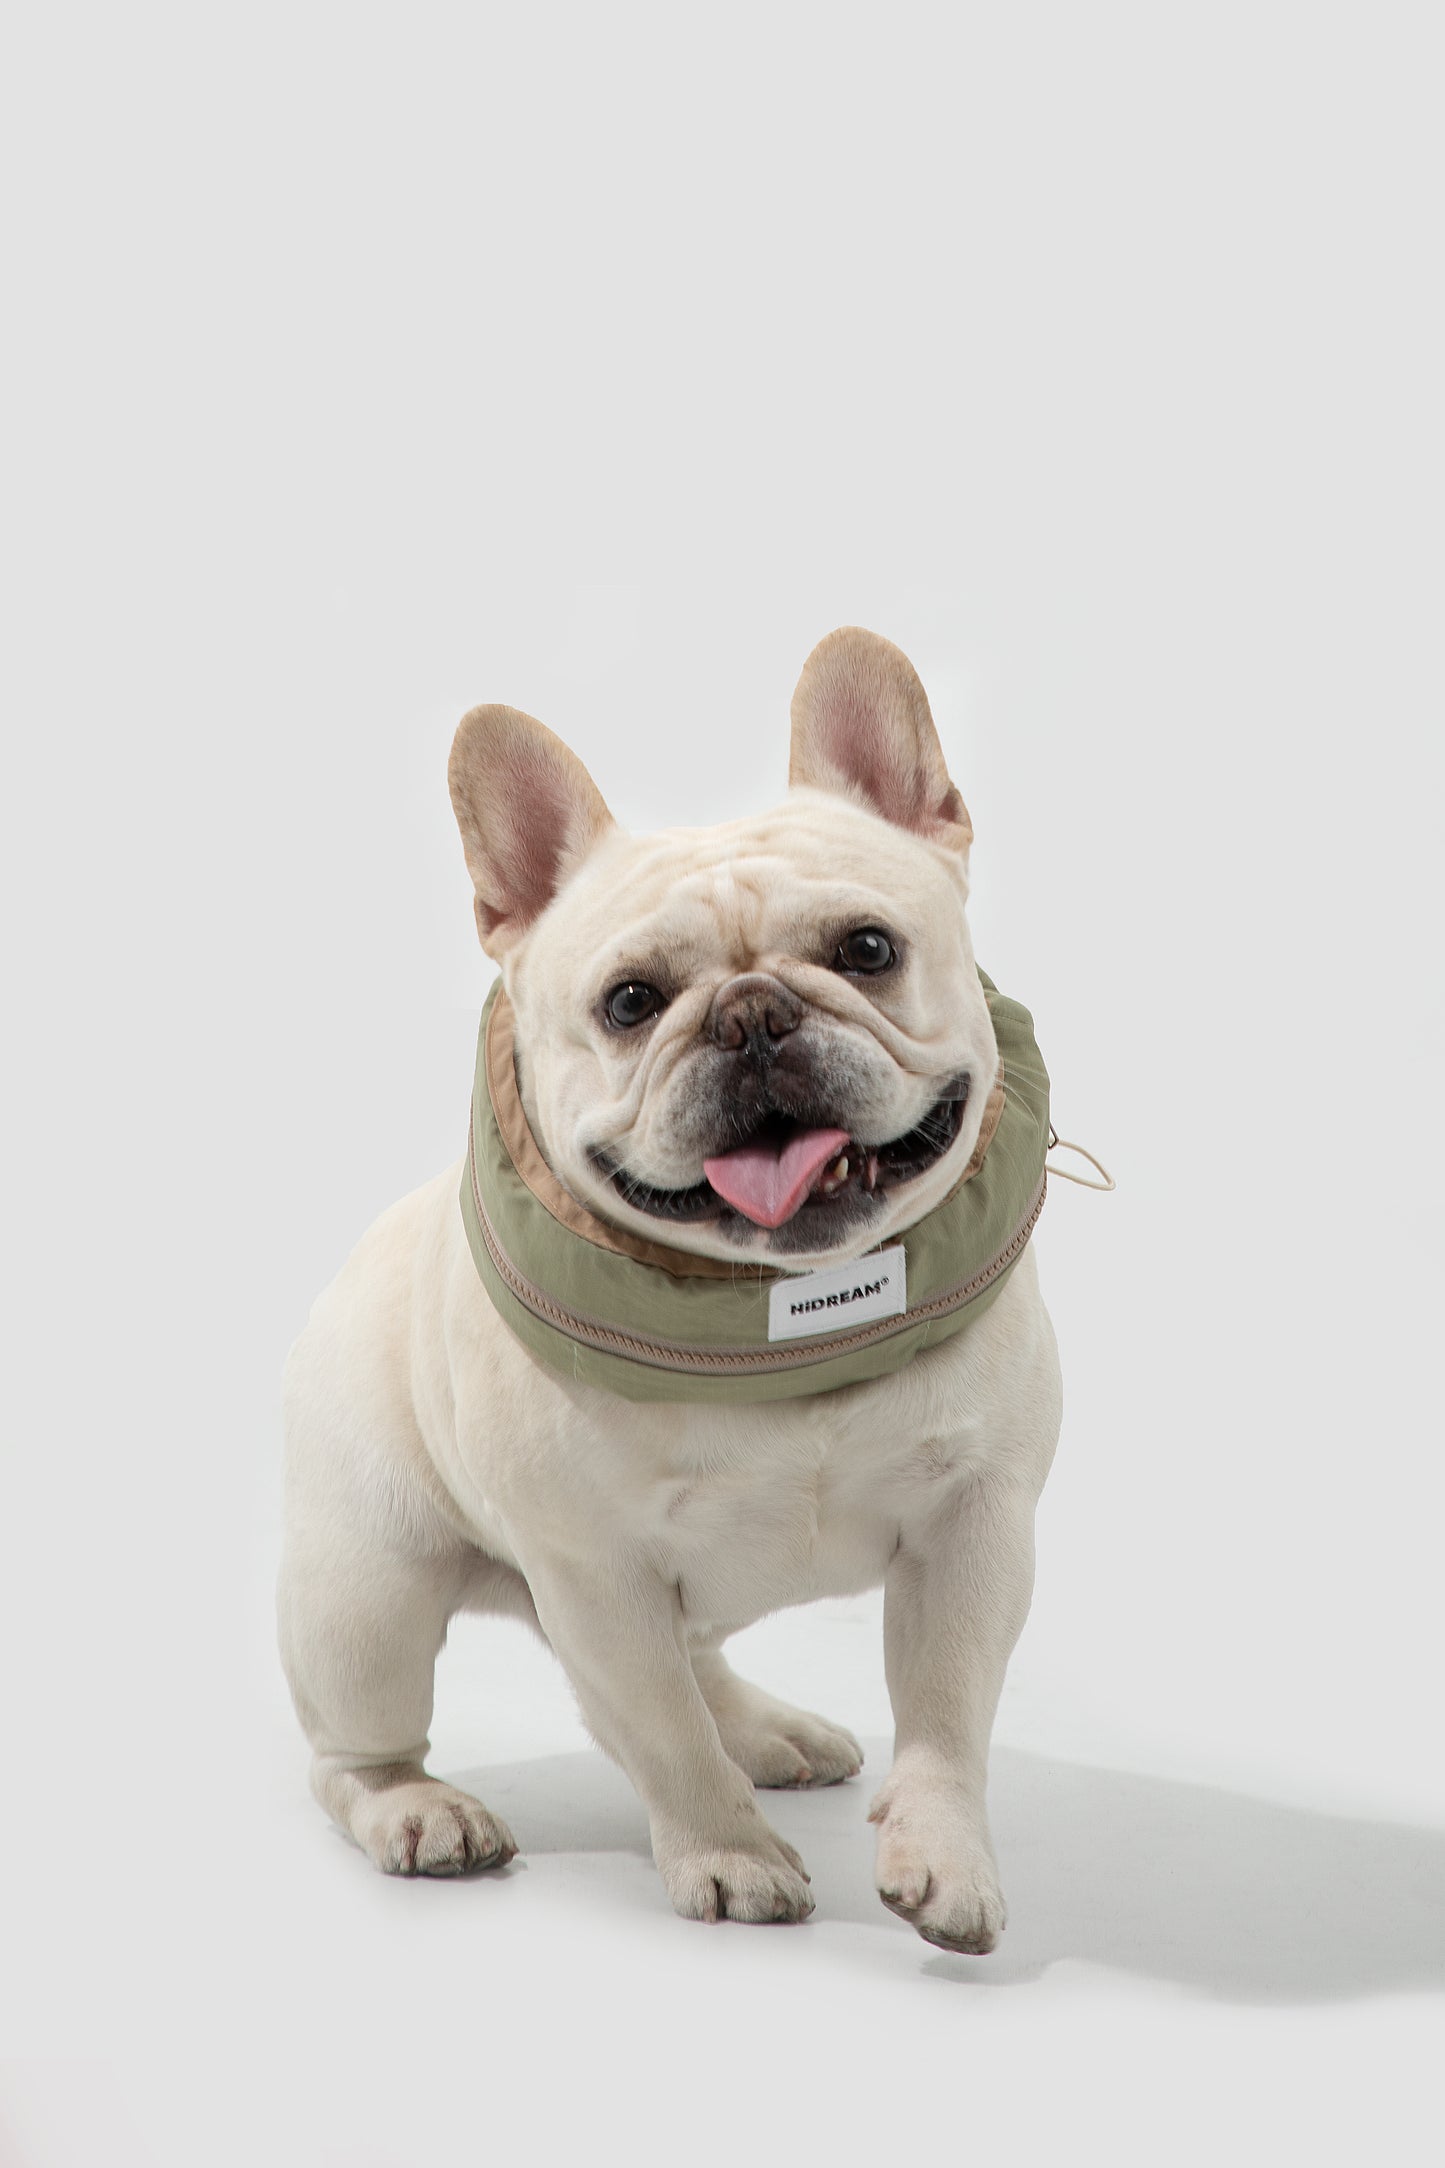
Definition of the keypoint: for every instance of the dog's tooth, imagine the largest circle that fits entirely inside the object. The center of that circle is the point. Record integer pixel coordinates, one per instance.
(840, 1169)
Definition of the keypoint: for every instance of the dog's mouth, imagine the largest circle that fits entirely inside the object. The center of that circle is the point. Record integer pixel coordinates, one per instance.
(788, 1167)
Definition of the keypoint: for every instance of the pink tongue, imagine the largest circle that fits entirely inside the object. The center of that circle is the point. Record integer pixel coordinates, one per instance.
(768, 1186)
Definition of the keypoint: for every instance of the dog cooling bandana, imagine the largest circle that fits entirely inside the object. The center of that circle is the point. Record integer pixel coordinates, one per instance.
(652, 1323)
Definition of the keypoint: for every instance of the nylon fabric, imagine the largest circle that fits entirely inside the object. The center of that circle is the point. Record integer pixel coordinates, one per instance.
(651, 1323)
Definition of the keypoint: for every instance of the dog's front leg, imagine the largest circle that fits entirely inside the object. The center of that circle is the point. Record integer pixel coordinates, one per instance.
(616, 1625)
(955, 1600)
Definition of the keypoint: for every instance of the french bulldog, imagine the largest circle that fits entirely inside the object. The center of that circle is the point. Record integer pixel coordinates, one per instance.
(764, 1042)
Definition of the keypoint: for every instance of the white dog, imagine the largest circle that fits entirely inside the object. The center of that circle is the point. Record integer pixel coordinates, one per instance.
(626, 1392)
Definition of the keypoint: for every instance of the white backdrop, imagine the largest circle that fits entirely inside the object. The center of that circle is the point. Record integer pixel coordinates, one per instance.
(368, 364)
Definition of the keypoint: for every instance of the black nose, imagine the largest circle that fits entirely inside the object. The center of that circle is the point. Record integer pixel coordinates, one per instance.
(753, 1012)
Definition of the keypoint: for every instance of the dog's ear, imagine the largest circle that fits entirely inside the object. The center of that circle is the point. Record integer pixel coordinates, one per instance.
(529, 814)
(862, 726)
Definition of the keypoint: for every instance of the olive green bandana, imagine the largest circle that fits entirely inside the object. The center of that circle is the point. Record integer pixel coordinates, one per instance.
(653, 1323)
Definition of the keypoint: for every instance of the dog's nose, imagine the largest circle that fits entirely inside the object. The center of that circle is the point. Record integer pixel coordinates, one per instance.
(753, 1011)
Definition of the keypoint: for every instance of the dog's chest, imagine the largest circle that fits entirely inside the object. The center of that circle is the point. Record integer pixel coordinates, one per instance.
(756, 1509)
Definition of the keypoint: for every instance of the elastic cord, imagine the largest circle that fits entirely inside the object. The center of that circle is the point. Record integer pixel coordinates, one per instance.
(1062, 1144)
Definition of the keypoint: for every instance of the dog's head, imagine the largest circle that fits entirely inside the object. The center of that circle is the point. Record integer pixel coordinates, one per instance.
(765, 1039)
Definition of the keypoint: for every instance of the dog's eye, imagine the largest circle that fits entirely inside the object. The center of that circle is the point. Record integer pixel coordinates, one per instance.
(632, 1003)
(865, 950)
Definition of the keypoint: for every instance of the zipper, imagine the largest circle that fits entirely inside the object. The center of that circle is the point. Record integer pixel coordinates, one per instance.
(746, 1361)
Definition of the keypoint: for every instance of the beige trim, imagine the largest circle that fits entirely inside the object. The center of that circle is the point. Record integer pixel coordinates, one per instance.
(762, 1361)
(526, 1157)
(992, 1116)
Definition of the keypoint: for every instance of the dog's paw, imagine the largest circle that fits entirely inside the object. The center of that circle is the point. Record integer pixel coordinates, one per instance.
(936, 1870)
(788, 1747)
(778, 1746)
(426, 1827)
(759, 1878)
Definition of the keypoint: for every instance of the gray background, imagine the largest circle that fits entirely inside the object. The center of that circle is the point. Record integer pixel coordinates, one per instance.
(367, 365)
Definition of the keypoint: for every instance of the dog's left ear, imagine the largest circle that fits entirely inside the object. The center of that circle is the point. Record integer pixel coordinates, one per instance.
(862, 726)
(529, 814)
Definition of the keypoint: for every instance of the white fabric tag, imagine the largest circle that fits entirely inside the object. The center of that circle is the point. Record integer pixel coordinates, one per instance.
(839, 1296)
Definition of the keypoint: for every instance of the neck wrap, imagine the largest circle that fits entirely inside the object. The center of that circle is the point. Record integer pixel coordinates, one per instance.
(638, 1318)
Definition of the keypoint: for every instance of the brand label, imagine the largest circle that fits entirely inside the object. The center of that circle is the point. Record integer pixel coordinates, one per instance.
(839, 1296)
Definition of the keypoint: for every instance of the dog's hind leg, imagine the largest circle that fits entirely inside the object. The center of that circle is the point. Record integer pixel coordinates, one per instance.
(360, 1633)
(373, 1569)
(776, 1745)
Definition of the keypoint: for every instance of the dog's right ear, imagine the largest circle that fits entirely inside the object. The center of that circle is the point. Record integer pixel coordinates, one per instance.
(529, 814)
(861, 726)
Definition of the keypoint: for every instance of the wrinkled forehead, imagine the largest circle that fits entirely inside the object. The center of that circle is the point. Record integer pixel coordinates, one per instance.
(746, 888)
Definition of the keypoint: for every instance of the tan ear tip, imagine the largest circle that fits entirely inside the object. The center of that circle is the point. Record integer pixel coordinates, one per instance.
(464, 740)
(862, 649)
(468, 728)
(480, 735)
(840, 640)
(479, 722)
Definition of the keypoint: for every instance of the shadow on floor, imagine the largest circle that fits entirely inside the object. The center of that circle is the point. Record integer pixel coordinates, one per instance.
(1215, 1891)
